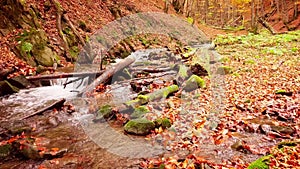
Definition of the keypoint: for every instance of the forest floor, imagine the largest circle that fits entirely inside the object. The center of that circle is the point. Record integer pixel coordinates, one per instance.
(259, 114)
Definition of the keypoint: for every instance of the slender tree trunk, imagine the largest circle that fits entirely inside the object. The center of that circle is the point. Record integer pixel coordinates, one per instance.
(252, 14)
(295, 9)
(206, 4)
(284, 12)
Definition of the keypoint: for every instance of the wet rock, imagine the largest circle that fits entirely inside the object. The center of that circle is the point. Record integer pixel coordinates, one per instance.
(53, 121)
(163, 122)
(194, 82)
(139, 126)
(20, 82)
(6, 88)
(5, 150)
(139, 112)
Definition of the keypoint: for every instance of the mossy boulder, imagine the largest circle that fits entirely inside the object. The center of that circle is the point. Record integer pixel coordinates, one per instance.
(224, 70)
(33, 48)
(163, 122)
(6, 88)
(139, 112)
(45, 56)
(194, 82)
(139, 126)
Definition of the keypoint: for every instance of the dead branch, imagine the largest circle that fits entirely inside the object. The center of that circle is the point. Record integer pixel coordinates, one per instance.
(63, 75)
(106, 75)
(56, 104)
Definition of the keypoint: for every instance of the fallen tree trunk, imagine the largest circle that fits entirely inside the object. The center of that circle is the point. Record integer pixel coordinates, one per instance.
(267, 25)
(63, 75)
(106, 75)
(56, 104)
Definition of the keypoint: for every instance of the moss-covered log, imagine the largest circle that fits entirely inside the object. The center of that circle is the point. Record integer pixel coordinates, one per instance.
(161, 93)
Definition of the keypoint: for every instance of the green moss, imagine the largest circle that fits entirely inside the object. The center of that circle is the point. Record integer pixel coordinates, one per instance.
(190, 20)
(163, 122)
(249, 61)
(280, 91)
(260, 163)
(224, 59)
(143, 99)
(105, 111)
(5, 150)
(140, 111)
(74, 51)
(82, 25)
(170, 89)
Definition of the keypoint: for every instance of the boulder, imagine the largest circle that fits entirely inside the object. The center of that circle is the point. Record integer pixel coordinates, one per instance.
(194, 82)
(45, 57)
(139, 126)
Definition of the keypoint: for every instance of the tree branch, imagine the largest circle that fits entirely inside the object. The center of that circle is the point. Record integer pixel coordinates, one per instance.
(106, 75)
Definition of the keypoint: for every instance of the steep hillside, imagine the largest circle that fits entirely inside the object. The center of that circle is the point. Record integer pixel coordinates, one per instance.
(48, 31)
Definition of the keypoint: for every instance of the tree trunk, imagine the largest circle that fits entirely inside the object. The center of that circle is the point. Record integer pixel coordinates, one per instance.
(295, 9)
(206, 4)
(253, 27)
